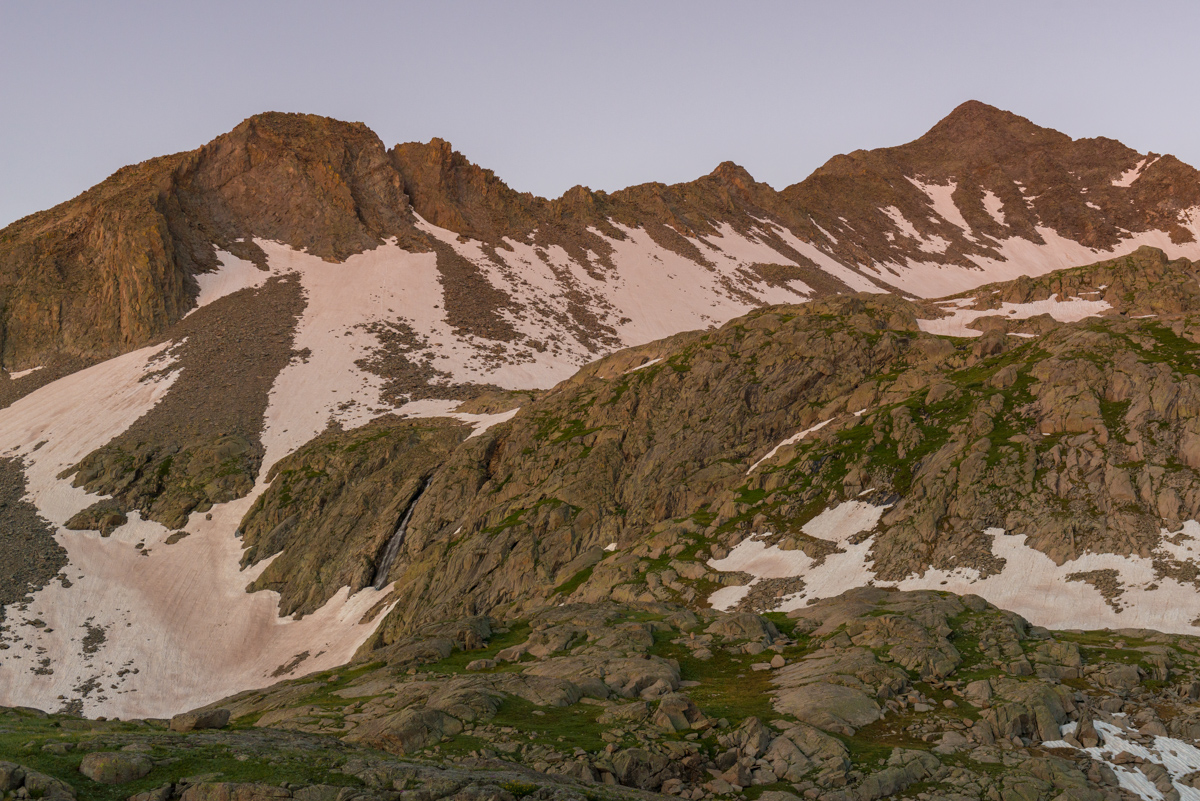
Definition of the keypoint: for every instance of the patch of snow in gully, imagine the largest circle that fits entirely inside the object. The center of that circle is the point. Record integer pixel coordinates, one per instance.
(942, 200)
(1129, 176)
(233, 275)
(994, 206)
(1020, 256)
(23, 373)
(838, 572)
(180, 616)
(856, 281)
(652, 293)
(792, 440)
(1070, 310)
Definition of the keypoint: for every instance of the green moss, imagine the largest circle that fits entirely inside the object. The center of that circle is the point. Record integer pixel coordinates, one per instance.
(513, 519)
(572, 726)
(575, 582)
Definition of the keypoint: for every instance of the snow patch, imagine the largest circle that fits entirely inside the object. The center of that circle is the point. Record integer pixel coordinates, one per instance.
(1066, 311)
(1132, 174)
(179, 613)
(642, 366)
(1176, 756)
(1017, 256)
(792, 440)
(837, 573)
(994, 206)
(942, 199)
(23, 373)
(232, 275)
(1030, 583)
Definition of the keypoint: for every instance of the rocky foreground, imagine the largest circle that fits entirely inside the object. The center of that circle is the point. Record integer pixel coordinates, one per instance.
(871, 694)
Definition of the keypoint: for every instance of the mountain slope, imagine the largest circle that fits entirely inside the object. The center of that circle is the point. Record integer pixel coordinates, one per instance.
(318, 292)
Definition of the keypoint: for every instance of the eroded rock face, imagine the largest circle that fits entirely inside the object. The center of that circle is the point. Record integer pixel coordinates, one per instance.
(109, 270)
(333, 506)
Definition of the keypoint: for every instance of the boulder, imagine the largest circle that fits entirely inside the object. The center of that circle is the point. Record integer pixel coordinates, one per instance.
(230, 791)
(406, 731)
(11, 776)
(1122, 677)
(39, 785)
(162, 793)
(743, 626)
(210, 719)
(115, 767)
(676, 712)
(978, 692)
(831, 707)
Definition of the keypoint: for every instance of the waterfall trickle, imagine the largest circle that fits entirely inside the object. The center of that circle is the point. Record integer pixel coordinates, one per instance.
(393, 546)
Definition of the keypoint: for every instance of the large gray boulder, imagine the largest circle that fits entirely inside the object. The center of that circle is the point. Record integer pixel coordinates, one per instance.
(209, 719)
(115, 767)
(831, 707)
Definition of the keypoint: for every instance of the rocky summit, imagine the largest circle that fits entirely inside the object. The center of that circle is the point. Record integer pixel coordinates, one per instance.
(336, 471)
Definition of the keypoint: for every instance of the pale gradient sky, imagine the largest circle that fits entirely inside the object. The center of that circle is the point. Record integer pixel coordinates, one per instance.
(553, 94)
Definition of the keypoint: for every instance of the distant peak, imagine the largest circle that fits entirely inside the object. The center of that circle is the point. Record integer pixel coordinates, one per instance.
(974, 119)
(732, 173)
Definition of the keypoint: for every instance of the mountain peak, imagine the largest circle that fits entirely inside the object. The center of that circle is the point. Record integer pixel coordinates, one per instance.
(977, 123)
(733, 173)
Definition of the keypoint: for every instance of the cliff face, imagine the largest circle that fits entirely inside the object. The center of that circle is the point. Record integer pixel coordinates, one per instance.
(111, 269)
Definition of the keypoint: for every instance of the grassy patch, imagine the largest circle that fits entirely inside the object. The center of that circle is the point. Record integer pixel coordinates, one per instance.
(572, 726)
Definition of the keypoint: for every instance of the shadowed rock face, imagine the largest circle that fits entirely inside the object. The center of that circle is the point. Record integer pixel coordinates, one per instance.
(333, 506)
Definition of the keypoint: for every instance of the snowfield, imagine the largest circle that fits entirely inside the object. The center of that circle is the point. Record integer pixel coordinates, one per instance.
(179, 630)
(1030, 584)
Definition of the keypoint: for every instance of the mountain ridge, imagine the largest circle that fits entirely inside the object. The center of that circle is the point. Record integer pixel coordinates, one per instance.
(135, 243)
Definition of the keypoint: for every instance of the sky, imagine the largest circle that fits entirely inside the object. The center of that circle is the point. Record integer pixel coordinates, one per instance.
(554, 94)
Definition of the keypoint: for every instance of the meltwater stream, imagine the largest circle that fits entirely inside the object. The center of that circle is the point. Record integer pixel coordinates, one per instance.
(393, 546)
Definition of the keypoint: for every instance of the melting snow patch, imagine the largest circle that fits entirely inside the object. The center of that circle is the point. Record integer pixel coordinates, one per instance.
(844, 521)
(792, 440)
(178, 613)
(1177, 757)
(942, 198)
(1017, 256)
(1030, 583)
(643, 366)
(23, 373)
(837, 572)
(994, 206)
(1066, 311)
(612, 546)
(483, 422)
(231, 276)
(1129, 176)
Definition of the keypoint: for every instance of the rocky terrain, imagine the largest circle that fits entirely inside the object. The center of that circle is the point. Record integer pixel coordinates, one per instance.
(405, 485)
(867, 695)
